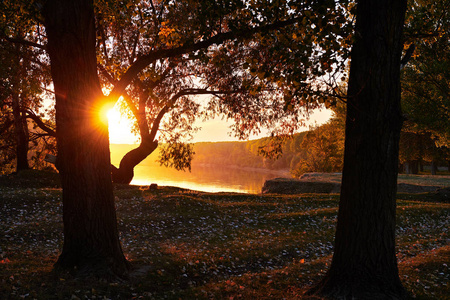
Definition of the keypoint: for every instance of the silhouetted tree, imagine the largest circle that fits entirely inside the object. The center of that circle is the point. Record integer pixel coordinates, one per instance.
(364, 264)
(91, 242)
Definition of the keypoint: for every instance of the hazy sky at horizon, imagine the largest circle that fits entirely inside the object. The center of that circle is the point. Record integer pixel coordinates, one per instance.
(215, 130)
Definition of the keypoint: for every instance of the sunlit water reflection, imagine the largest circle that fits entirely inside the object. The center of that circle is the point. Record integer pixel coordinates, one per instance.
(202, 178)
(206, 178)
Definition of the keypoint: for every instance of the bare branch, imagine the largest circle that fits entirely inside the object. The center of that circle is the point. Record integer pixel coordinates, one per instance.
(105, 73)
(103, 37)
(407, 56)
(23, 42)
(49, 131)
(157, 121)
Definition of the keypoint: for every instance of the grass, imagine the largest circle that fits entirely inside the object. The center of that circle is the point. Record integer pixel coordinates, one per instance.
(193, 245)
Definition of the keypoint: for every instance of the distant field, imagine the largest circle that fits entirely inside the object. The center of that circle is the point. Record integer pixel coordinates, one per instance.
(192, 245)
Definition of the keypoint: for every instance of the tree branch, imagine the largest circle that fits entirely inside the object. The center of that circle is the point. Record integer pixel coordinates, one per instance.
(157, 121)
(407, 56)
(143, 61)
(23, 42)
(30, 114)
(103, 37)
(165, 109)
(105, 73)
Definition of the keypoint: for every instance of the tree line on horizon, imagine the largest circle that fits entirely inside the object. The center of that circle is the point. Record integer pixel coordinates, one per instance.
(319, 149)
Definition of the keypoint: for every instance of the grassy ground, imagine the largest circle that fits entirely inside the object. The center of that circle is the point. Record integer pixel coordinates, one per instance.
(193, 245)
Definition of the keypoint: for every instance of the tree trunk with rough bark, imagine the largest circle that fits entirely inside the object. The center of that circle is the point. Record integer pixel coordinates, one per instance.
(124, 174)
(364, 264)
(20, 122)
(412, 167)
(91, 240)
(21, 134)
(434, 167)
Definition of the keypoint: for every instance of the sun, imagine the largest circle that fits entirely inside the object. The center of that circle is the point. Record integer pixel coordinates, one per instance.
(120, 127)
(103, 113)
(113, 115)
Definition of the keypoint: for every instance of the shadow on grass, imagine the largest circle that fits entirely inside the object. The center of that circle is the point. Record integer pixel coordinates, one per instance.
(193, 245)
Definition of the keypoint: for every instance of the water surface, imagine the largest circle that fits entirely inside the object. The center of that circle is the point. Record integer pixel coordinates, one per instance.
(206, 178)
(202, 178)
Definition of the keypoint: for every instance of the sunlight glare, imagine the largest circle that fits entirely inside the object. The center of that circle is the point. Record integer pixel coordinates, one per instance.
(113, 115)
(120, 127)
(103, 113)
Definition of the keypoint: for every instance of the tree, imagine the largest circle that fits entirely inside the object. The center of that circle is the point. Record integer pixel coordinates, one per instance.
(91, 243)
(254, 72)
(323, 149)
(426, 79)
(7, 121)
(268, 52)
(24, 78)
(414, 149)
(364, 263)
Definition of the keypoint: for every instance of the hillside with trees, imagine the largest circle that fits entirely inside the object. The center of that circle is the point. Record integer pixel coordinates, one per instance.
(246, 154)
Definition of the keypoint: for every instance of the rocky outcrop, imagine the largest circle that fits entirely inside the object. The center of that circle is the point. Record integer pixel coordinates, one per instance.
(416, 189)
(309, 185)
(294, 186)
(444, 193)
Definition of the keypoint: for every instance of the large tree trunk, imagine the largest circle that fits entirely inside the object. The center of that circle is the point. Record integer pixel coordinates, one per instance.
(91, 242)
(125, 173)
(20, 122)
(364, 264)
(434, 167)
(21, 134)
(412, 167)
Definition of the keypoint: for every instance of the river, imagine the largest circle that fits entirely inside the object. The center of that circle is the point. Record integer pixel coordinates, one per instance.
(207, 178)
(201, 178)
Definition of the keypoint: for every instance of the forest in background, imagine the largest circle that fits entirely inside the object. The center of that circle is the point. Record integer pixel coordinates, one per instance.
(320, 149)
(28, 128)
(240, 154)
(317, 150)
(246, 153)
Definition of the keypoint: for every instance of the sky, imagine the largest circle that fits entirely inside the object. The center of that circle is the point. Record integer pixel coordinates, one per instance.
(215, 130)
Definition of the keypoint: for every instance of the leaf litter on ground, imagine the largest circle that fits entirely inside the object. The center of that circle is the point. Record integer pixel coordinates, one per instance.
(195, 245)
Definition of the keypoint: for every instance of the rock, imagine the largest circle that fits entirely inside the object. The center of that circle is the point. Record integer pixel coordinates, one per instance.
(294, 186)
(416, 189)
(444, 193)
(311, 183)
